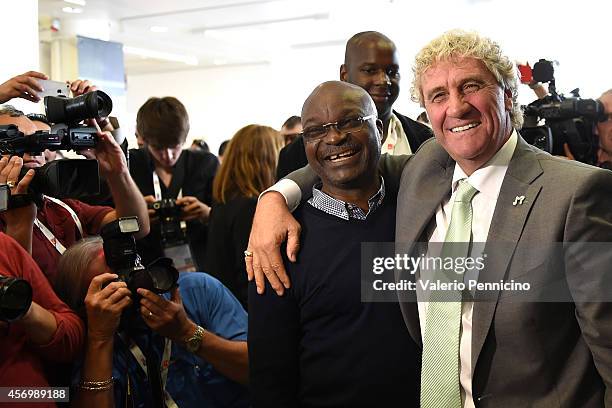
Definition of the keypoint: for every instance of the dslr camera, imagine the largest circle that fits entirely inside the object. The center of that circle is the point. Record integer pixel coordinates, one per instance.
(568, 120)
(15, 298)
(169, 213)
(122, 257)
(62, 178)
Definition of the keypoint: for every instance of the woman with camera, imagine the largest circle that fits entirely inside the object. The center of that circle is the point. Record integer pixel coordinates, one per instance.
(186, 347)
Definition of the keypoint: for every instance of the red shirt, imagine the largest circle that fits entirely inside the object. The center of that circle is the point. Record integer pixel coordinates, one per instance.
(60, 223)
(23, 364)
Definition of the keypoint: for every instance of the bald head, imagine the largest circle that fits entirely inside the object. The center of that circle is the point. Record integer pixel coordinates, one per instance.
(338, 93)
(365, 39)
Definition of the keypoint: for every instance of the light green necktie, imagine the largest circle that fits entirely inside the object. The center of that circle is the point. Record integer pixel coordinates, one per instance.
(440, 386)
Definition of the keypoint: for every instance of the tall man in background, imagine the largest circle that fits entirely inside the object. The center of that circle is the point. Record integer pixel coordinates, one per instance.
(370, 61)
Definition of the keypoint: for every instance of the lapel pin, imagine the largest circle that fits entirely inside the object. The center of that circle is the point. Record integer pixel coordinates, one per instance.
(518, 200)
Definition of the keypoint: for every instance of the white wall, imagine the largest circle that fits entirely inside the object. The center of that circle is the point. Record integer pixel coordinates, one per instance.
(20, 45)
(222, 100)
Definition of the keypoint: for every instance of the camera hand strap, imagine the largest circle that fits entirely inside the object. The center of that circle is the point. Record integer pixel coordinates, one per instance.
(47, 232)
(165, 364)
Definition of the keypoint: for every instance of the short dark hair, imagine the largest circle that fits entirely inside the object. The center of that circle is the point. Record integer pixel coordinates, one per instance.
(222, 147)
(292, 122)
(201, 144)
(163, 122)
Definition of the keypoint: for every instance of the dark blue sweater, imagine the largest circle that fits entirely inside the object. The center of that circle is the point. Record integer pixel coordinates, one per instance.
(319, 345)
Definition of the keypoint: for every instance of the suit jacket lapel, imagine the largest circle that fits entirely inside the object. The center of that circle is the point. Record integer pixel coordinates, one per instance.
(505, 231)
(416, 209)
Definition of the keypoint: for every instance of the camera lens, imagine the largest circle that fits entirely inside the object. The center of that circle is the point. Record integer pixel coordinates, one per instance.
(15, 298)
(161, 275)
(73, 110)
(163, 280)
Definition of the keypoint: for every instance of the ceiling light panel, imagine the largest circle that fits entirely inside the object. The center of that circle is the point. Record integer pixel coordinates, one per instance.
(81, 3)
(72, 10)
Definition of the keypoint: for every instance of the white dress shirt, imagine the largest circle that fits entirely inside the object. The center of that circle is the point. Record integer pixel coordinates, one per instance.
(488, 181)
(396, 142)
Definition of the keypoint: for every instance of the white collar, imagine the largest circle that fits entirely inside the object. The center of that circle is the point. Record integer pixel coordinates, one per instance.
(488, 179)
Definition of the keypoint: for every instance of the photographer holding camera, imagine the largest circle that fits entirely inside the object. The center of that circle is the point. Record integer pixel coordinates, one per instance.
(37, 330)
(192, 341)
(60, 223)
(176, 183)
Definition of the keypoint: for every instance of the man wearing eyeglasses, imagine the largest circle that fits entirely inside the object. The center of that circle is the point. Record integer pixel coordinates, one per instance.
(370, 61)
(319, 345)
(604, 131)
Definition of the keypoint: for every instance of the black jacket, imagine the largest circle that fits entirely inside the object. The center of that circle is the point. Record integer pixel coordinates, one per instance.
(193, 173)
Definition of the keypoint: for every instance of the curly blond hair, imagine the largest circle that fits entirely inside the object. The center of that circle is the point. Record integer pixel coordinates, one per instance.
(461, 44)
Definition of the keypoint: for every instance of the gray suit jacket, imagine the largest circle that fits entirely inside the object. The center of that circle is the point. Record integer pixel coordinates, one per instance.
(529, 353)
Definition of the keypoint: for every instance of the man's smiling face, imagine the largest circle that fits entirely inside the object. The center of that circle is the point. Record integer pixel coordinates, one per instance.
(468, 109)
(342, 160)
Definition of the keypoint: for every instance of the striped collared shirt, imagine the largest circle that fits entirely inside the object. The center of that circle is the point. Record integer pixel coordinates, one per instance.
(341, 209)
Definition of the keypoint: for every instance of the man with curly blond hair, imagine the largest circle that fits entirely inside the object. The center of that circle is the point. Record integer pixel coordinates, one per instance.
(545, 223)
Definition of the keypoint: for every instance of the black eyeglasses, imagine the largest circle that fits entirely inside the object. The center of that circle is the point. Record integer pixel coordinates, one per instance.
(343, 126)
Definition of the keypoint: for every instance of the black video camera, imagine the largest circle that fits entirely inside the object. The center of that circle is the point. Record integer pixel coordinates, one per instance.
(169, 214)
(67, 113)
(60, 179)
(568, 120)
(66, 133)
(65, 178)
(122, 257)
(15, 298)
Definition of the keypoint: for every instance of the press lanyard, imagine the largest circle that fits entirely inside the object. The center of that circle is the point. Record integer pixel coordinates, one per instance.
(157, 188)
(47, 232)
(165, 364)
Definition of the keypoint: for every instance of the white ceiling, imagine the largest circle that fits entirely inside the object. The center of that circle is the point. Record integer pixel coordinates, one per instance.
(215, 32)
